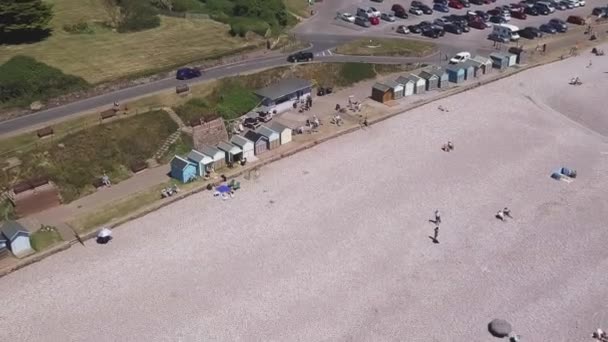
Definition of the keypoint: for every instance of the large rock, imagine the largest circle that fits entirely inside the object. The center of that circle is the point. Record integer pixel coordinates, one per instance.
(500, 328)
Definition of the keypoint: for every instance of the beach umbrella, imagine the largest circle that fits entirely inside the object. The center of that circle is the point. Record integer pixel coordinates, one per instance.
(104, 233)
(500, 328)
(223, 188)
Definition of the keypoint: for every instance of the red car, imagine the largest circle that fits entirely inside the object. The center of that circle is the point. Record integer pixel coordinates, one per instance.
(518, 14)
(374, 20)
(455, 4)
(478, 24)
(575, 19)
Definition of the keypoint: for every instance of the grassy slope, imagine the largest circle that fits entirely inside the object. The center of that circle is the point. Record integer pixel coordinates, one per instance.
(386, 47)
(107, 55)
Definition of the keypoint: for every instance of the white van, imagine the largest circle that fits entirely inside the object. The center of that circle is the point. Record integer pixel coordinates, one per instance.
(506, 30)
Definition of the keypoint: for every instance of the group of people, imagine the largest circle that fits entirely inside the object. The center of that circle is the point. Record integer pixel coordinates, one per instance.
(448, 147)
(600, 335)
(503, 214)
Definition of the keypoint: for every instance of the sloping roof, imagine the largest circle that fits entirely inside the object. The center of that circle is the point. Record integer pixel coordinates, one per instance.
(12, 229)
(209, 133)
(382, 87)
(455, 67)
(428, 75)
(468, 64)
(284, 87)
(404, 80)
(239, 140)
(414, 78)
(179, 163)
(199, 157)
(209, 151)
(481, 59)
(254, 136)
(440, 72)
(267, 132)
(229, 148)
(278, 127)
(500, 55)
(393, 84)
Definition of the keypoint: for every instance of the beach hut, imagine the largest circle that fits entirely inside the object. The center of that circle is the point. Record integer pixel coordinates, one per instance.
(512, 58)
(408, 85)
(17, 238)
(432, 80)
(203, 163)
(218, 156)
(396, 88)
(469, 70)
(182, 169)
(455, 73)
(274, 139)
(232, 152)
(285, 132)
(244, 144)
(260, 142)
(500, 61)
(419, 83)
(444, 79)
(382, 93)
(520, 54)
(485, 64)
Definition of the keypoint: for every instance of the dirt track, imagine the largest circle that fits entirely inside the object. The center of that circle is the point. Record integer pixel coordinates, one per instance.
(332, 244)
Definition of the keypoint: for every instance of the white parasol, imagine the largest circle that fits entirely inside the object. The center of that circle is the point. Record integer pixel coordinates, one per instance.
(104, 233)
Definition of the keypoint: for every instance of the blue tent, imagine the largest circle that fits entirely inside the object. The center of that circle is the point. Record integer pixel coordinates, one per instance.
(223, 188)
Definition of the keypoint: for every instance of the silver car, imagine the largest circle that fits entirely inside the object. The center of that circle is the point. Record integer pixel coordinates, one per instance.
(387, 17)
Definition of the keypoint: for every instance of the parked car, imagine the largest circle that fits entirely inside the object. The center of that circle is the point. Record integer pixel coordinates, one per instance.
(414, 28)
(441, 8)
(546, 28)
(519, 14)
(543, 10)
(576, 20)
(426, 9)
(599, 11)
(477, 2)
(403, 29)
(424, 24)
(374, 20)
(559, 5)
(497, 19)
(362, 21)
(559, 25)
(416, 4)
(322, 91)
(347, 17)
(443, 2)
(416, 11)
(483, 15)
(465, 3)
(387, 17)
(531, 11)
(530, 32)
(375, 12)
(478, 24)
(528, 3)
(188, 73)
(251, 123)
(568, 4)
(301, 57)
(441, 22)
(460, 57)
(455, 4)
(452, 28)
(399, 11)
(433, 32)
(495, 11)
(498, 38)
(463, 25)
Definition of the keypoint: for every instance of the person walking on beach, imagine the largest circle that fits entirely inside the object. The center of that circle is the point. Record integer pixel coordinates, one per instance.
(507, 212)
(436, 235)
(437, 217)
(500, 215)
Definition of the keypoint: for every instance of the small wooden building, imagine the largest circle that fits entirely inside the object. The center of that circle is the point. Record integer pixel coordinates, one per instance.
(520, 54)
(419, 83)
(274, 139)
(232, 152)
(396, 88)
(203, 163)
(432, 80)
(260, 142)
(469, 70)
(444, 79)
(485, 64)
(285, 132)
(17, 238)
(456, 73)
(182, 169)
(244, 144)
(408, 85)
(382, 93)
(500, 61)
(218, 156)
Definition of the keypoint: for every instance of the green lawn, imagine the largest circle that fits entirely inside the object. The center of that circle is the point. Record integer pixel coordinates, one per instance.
(386, 47)
(108, 55)
(298, 7)
(43, 239)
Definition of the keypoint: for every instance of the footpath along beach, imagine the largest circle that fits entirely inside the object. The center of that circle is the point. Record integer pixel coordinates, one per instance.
(332, 244)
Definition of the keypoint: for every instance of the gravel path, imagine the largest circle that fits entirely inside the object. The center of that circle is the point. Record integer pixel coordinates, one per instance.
(332, 244)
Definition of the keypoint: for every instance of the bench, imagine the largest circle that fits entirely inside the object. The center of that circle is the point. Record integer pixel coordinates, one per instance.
(43, 132)
(138, 166)
(106, 114)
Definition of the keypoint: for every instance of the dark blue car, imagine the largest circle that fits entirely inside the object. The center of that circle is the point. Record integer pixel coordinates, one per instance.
(188, 73)
(441, 8)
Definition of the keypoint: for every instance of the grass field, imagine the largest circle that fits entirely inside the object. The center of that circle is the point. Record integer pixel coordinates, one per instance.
(298, 7)
(106, 55)
(43, 239)
(385, 47)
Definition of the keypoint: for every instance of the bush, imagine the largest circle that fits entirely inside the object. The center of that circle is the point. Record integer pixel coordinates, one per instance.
(193, 109)
(234, 100)
(187, 6)
(351, 73)
(240, 26)
(24, 80)
(78, 28)
(138, 15)
(220, 6)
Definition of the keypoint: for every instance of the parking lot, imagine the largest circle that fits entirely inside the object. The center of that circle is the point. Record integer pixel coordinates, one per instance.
(473, 39)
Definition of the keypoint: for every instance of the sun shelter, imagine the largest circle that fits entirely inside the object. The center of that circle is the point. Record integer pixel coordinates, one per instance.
(281, 95)
(17, 238)
(285, 133)
(469, 70)
(104, 236)
(485, 64)
(232, 153)
(500, 61)
(244, 144)
(382, 93)
(274, 139)
(419, 83)
(520, 54)
(396, 88)
(456, 73)
(203, 162)
(260, 142)
(218, 156)
(408, 85)
(182, 169)
(444, 78)
(432, 80)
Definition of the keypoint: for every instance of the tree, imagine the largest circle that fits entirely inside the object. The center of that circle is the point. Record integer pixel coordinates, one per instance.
(24, 21)
(112, 9)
